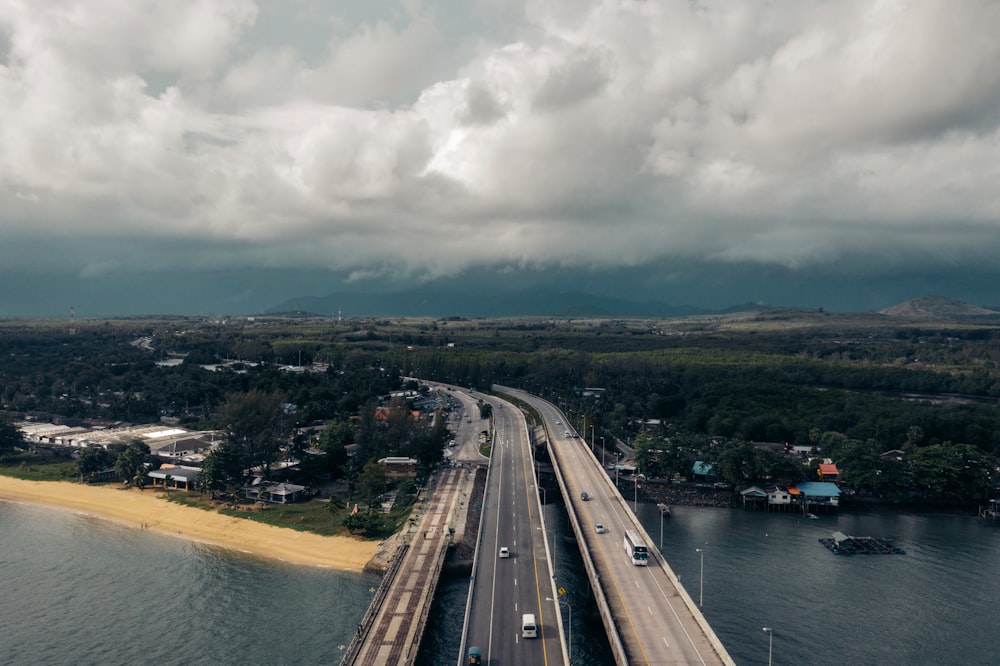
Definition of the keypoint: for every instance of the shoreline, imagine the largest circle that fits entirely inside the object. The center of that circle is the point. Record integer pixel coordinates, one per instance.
(148, 510)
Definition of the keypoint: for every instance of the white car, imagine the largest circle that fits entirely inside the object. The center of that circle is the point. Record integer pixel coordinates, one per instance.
(558, 422)
(599, 528)
(504, 552)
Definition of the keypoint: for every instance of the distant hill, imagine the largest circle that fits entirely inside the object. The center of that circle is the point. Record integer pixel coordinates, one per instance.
(937, 307)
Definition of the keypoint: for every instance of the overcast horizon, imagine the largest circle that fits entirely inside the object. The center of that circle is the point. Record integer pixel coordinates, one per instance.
(230, 156)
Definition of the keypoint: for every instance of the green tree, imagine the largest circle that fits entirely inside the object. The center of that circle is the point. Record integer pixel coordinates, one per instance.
(368, 523)
(785, 469)
(859, 463)
(372, 482)
(131, 460)
(223, 469)
(660, 458)
(428, 443)
(738, 463)
(257, 422)
(959, 471)
(94, 459)
(334, 441)
(10, 438)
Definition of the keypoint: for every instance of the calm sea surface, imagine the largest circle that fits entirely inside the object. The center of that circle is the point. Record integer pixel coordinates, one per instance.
(83, 591)
(78, 590)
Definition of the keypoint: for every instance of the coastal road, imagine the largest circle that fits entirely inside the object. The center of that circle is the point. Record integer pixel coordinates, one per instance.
(656, 620)
(506, 588)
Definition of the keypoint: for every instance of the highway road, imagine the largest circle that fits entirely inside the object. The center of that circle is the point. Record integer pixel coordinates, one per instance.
(506, 588)
(657, 625)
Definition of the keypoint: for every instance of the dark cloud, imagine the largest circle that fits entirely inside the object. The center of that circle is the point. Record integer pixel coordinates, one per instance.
(737, 151)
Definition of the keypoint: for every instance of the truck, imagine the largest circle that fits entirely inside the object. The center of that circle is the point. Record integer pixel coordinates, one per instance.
(529, 629)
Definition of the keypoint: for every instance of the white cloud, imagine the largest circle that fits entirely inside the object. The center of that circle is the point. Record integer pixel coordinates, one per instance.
(358, 136)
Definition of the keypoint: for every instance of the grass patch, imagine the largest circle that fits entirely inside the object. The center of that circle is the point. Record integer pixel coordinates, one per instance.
(33, 467)
(314, 517)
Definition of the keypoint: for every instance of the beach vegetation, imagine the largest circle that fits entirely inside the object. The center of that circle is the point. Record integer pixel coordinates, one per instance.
(258, 422)
(131, 460)
(372, 482)
(11, 438)
(94, 459)
(367, 523)
(223, 470)
(34, 467)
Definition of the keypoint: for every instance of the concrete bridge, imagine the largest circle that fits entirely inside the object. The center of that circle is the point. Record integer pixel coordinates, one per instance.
(649, 617)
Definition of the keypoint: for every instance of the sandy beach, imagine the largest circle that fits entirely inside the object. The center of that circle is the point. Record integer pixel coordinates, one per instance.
(147, 510)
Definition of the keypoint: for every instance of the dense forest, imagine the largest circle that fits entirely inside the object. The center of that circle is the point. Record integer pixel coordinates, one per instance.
(849, 386)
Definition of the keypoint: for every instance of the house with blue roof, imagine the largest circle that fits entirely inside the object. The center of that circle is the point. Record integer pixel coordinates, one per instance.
(701, 470)
(818, 494)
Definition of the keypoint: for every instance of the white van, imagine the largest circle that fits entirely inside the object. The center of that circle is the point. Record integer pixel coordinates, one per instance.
(528, 627)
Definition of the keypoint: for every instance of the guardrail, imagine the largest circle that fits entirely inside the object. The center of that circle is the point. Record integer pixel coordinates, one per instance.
(374, 607)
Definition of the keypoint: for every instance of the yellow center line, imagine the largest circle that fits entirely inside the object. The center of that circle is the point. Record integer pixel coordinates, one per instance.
(534, 560)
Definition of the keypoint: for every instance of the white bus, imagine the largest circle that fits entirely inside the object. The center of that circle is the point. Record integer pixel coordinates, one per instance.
(635, 547)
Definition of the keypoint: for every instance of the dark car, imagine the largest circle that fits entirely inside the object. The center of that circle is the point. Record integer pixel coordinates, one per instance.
(585, 497)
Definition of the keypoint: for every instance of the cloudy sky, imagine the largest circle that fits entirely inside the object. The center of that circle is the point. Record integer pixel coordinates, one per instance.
(154, 154)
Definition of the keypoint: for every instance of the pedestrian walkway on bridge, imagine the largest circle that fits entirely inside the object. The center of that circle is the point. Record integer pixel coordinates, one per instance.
(391, 630)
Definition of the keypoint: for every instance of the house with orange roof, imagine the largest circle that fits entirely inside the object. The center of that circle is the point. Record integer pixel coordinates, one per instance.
(828, 472)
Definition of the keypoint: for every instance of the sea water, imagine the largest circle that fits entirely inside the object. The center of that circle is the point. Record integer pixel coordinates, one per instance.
(80, 590)
(936, 604)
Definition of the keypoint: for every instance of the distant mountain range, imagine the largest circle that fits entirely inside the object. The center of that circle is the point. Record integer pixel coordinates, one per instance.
(433, 301)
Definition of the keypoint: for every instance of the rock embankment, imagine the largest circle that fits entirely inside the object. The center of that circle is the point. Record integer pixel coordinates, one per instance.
(686, 495)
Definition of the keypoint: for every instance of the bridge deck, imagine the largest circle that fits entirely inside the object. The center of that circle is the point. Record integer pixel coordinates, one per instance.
(649, 616)
(391, 632)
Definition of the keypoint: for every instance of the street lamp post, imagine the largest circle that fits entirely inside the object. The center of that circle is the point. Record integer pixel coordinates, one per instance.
(570, 608)
(701, 579)
(602, 453)
(770, 636)
(662, 507)
(592, 447)
(617, 455)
